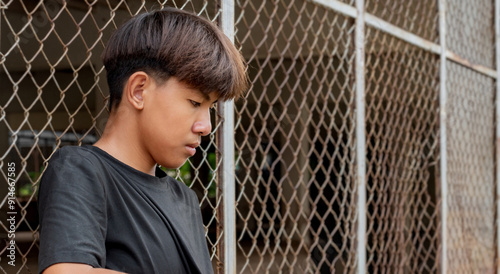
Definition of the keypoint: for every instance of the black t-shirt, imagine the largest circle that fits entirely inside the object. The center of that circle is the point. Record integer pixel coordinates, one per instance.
(99, 211)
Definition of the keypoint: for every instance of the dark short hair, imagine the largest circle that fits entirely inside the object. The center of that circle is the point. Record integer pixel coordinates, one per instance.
(172, 42)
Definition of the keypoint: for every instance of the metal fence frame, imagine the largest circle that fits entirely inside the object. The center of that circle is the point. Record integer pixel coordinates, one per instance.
(362, 18)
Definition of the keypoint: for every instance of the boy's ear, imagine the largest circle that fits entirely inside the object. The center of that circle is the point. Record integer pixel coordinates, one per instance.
(135, 89)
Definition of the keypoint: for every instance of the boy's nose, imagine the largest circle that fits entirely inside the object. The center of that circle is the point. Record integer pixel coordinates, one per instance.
(203, 126)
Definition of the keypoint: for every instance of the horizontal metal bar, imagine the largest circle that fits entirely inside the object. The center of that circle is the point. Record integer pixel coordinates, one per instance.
(338, 7)
(464, 62)
(377, 23)
(402, 34)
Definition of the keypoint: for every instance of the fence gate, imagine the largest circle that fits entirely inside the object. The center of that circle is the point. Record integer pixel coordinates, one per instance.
(366, 143)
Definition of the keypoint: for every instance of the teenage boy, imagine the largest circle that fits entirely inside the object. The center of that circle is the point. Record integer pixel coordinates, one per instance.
(108, 207)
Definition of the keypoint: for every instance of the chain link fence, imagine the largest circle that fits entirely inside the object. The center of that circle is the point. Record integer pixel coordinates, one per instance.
(296, 140)
(427, 202)
(470, 164)
(402, 135)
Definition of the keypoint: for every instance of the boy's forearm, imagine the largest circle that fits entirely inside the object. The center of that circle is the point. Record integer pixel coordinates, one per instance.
(63, 268)
(103, 271)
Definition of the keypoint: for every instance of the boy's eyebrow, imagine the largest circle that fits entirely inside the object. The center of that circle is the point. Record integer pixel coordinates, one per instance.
(206, 96)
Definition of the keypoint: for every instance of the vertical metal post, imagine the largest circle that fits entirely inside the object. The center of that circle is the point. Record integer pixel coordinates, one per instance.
(497, 110)
(2, 8)
(1, 11)
(442, 136)
(226, 170)
(359, 44)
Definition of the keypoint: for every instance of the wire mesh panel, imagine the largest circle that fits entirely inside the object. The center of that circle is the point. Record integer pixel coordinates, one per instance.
(53, 93)
(402, 156)
(470, 139)
(471, 169)
(295, 140)
(418, 17)
(470, 30)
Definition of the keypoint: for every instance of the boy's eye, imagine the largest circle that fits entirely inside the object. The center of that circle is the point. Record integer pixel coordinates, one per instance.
(196, 104)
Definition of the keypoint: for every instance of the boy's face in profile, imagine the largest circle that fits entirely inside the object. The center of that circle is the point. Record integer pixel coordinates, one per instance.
(173, 119)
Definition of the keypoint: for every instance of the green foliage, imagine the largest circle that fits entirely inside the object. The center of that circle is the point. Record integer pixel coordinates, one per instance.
(26, 189)
(212, 161)
(184, 174)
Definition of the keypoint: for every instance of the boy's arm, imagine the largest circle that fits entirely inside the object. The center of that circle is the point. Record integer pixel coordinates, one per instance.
(63, 268)
(72, 211)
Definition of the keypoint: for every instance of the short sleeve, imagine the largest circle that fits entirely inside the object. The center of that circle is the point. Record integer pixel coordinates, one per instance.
(72, 209)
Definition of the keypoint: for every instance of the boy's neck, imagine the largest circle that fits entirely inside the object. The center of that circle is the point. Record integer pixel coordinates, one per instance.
(121, 141)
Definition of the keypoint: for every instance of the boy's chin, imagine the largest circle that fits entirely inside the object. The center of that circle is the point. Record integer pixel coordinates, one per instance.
(173, 165)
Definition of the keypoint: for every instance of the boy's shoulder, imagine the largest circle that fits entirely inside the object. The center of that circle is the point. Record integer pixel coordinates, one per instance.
(90, 160)
(74, 158)
(68, 151)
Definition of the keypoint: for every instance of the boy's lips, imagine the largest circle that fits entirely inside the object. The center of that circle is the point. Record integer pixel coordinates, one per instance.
(191, 148)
